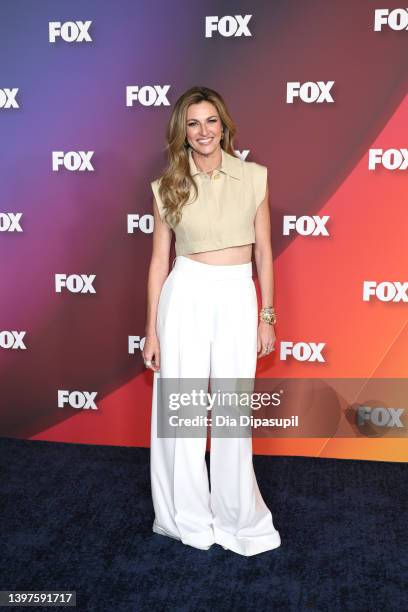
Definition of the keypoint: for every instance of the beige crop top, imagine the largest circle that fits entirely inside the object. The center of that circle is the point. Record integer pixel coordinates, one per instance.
(223, 214)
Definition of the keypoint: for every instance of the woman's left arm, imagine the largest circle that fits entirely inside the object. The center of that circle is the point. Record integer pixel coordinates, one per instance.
(264, 269)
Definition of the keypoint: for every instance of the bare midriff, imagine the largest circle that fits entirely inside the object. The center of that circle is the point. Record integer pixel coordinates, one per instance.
(224, 257)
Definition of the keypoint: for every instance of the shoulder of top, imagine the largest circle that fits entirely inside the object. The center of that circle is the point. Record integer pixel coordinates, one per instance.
(254, 165)
(254, 169)
(245, 163)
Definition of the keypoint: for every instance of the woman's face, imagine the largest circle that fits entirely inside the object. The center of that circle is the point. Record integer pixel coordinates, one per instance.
(204, 127)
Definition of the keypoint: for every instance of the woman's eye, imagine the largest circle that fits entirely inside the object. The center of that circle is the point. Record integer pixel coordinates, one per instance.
(210, 121)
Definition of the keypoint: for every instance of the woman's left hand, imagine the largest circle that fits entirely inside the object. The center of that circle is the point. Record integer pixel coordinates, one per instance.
(266, 339)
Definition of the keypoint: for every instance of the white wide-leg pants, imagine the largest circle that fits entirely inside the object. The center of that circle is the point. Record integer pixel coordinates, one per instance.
(207, 323)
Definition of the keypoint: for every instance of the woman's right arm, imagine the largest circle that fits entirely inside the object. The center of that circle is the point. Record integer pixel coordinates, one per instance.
(158, 272)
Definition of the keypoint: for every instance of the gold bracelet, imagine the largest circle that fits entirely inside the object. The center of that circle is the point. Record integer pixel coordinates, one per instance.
(268, 315)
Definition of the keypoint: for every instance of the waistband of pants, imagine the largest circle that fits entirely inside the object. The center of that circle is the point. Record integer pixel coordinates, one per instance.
(197, 269)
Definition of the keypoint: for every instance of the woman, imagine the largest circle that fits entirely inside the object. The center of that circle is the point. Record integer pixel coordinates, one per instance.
(202, 321)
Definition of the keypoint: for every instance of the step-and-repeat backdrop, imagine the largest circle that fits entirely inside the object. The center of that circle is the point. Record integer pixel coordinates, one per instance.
(318, 91)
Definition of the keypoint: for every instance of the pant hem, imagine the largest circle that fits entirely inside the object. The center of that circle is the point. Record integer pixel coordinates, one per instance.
(198, 540)
(157, 529)
(245, 545)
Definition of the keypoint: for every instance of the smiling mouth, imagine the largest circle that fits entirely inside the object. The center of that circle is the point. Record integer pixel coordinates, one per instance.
(204, 140)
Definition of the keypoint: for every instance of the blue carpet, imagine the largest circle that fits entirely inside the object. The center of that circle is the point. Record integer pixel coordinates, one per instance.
(79, 517)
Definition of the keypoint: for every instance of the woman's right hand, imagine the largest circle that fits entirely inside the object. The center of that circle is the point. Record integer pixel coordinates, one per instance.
(151, 350)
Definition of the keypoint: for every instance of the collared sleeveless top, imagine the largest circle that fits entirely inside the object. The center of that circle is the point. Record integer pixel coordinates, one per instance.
(223, 214)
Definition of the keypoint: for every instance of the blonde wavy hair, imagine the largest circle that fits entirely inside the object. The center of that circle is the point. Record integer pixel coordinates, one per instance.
(176, 180)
